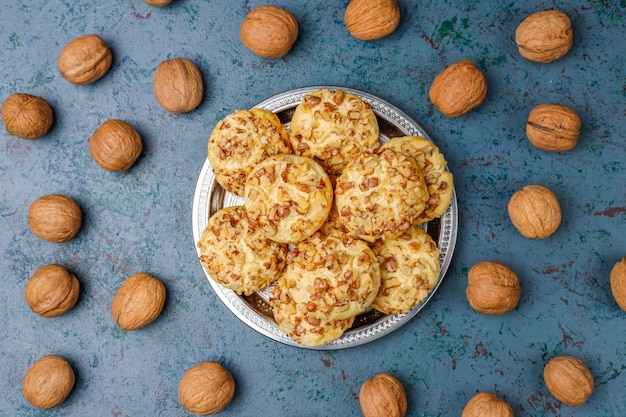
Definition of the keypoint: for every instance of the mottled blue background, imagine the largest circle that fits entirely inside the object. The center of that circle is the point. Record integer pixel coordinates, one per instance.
(141, 220)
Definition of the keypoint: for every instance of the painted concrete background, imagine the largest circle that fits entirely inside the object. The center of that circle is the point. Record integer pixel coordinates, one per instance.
(140, 220)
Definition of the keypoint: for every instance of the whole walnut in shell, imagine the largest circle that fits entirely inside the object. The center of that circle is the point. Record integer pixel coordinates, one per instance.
(48, 382)
(85, 59)
(458, 89)
(492, 288)
(535, 211)
(372, 19)
(55, 218)
(544, 36)
(52, 290)
(383, 396)
(138, 301)
(206, 388)
(569, 380)
(115, 145)
(178, 85)
(553, 127)
(26, 116)
(618, 283)
(269, 31)
(486, 404)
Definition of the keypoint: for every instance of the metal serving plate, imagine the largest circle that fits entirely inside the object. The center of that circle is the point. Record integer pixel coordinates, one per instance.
(254, 310)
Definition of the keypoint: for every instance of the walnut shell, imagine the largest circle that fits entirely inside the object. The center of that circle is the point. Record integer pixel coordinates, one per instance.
(383, 396)
(458, 89)
(269, 31)
(206, 388)
(492, 288)
(48, 382)
(553, 127)
(372, 19)
(26, 116)
(569, 380)
(486, 404)
(535, 211)
(138, 302)
(178, 85)
(544, 36)
(55, 218)
(618, 283)
(115, 145)
(52, 290)
(85, 59)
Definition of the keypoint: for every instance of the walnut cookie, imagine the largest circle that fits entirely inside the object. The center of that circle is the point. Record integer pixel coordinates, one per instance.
(409, 266)
(289, 197)
(333, 128)
(238, 255)
(240, 141)
(380, 195)
(433, 165)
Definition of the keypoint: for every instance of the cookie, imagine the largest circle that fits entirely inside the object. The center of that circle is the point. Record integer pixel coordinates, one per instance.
(335, 277)
(410, 268)
(380, 195)
(240, 141)
(306, 329)
(238, 255)
(433, 165)
(289, 197)
(333, 128)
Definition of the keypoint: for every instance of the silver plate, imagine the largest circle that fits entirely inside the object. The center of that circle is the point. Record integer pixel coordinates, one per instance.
(254, 310)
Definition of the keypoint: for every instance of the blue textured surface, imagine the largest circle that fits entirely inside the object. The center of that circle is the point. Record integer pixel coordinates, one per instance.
(141, 220)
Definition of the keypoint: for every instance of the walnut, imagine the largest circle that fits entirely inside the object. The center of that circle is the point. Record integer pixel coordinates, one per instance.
(372, 19)
(26, 116)
(492, 288)
(383, 396)
(618, 283)
(48, 382)
(486, 404)
(269, 31)
(206, 388)
(458, 89)
(85, 59)
(52, 291)
(544, 36)
(569, 380)
(553, 127)
(178, 85)
(115, 145)
(535, 211)
(138, 301)
(55, 218)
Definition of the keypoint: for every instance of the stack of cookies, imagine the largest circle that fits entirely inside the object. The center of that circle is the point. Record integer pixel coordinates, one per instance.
(331, 216)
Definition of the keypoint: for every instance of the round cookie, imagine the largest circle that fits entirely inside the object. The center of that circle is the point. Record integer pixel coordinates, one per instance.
(240, 141)
(295, 320)
(289, 197)
(410, 267)
(333, 128)
(380, 195)
(433, 165)
(238, 255)
(335, 277)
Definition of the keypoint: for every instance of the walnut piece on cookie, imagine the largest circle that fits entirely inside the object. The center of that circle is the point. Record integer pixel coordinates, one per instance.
(240, 141)
(335, 276)
(410, 267)
(289, 197)
(380, 195)
(433, 165)
(238, 255)
(333, 127)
